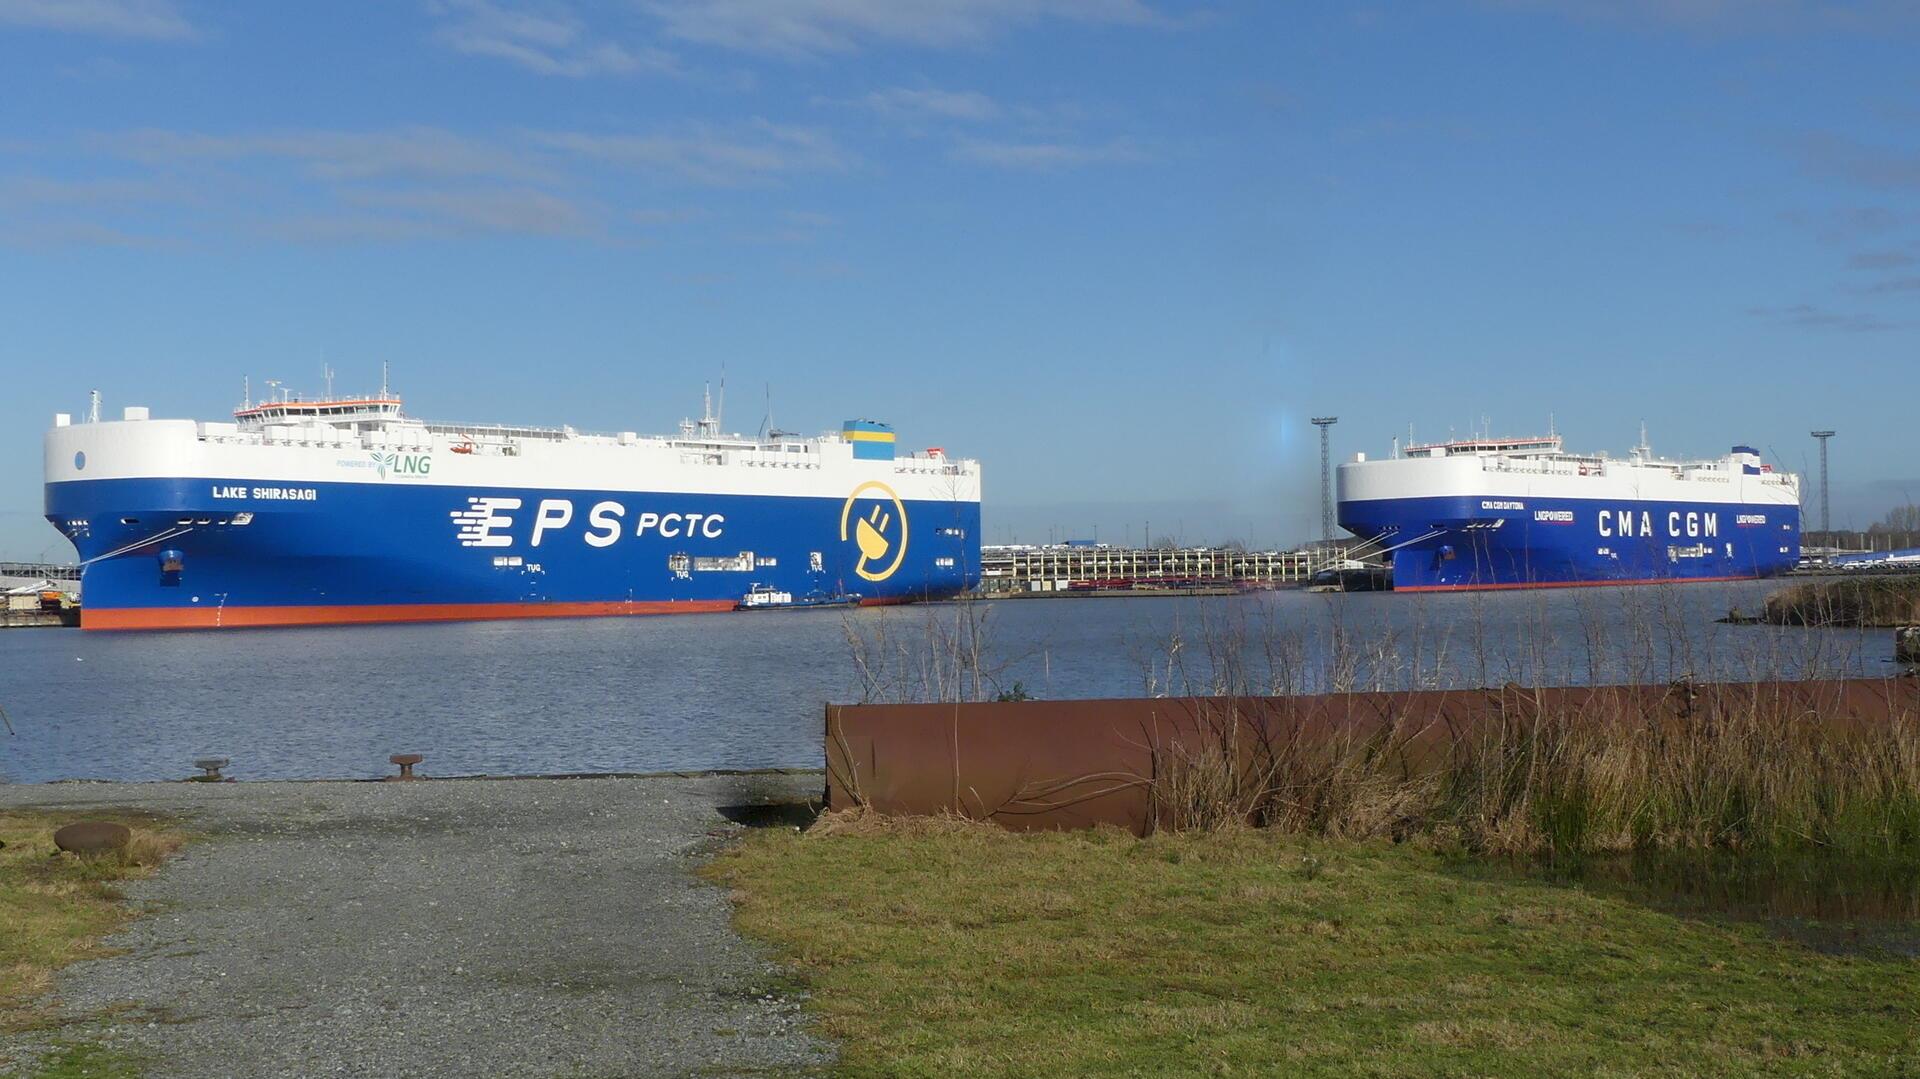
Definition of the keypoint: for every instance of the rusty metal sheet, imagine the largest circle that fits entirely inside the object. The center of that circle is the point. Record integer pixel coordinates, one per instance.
(1079, 763)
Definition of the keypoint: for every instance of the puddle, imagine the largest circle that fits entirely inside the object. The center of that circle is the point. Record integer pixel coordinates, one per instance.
(1834, 904)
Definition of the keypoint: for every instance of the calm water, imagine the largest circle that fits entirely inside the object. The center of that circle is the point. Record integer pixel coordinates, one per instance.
(746, 690)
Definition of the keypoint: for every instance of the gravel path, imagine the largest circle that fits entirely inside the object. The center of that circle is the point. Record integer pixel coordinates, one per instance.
(544, 927)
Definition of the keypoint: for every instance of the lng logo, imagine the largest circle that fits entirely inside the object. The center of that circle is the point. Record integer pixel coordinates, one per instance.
(879, 529)
(403, 464)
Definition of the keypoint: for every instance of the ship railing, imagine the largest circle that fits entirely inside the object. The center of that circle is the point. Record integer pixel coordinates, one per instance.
(1536, 467)
(944, 468)
(344, 440)
(501, 431)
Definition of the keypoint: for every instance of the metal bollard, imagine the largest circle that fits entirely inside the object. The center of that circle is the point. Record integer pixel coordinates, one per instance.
(210, 769)
(406, 761)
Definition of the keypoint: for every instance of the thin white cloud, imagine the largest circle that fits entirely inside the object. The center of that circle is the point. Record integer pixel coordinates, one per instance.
(705, 156)
(343, 228)
(1882, 260)
(1731, 15)
(1809, 316)
(1828, 154)
(657, 216)
(334, 155)
(908, 103)
(328, 186)
(546, 39)
(156, 20)
(818, 27)
(1849, 225)
(397, 184)
(519, 210)
(58, 234)
(17, 191)
(1047, 156)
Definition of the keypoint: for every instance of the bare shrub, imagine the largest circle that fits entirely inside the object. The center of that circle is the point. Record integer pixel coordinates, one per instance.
(1205, 779)
(939, 654)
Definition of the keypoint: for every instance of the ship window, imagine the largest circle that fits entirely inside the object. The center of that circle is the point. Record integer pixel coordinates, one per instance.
(183, 521)
(739, 563)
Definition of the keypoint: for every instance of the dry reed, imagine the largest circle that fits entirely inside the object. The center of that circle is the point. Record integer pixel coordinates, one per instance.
(1603, 777)
(1607, 776)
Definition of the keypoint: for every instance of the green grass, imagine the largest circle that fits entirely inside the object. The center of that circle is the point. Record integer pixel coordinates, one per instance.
(54, 910)
(943, 948)
(87, 1062)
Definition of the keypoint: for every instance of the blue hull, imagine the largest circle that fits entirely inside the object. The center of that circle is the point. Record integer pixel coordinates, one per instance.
(1471, 543)
(204, 552)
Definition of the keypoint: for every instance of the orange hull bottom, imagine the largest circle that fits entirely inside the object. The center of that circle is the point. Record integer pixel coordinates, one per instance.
(240, 617)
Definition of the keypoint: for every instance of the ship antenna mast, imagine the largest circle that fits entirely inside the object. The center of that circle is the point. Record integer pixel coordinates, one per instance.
(93, 406)
(709, 423)
(246, 392)
(383, 380)
(326, 376)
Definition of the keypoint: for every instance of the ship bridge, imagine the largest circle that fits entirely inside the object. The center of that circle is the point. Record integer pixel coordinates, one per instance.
(1548, 446)
(338, 412)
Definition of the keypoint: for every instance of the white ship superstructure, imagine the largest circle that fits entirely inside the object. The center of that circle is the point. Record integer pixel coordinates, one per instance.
(1501, 513)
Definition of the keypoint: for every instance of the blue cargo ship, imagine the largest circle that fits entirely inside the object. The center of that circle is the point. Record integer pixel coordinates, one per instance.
(1524, 513)
(347, 511)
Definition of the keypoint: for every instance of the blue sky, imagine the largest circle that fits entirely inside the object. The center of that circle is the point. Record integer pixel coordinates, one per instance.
(1120, 250)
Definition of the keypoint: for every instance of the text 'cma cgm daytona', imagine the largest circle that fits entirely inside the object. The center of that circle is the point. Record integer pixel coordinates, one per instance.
(1524, 513)
(334, 511)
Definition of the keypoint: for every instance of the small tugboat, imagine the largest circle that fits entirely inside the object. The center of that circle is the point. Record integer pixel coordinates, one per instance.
(1351, 576)
(765, 597)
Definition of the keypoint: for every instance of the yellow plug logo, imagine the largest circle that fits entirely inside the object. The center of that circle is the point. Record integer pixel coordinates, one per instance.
(869, 532)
